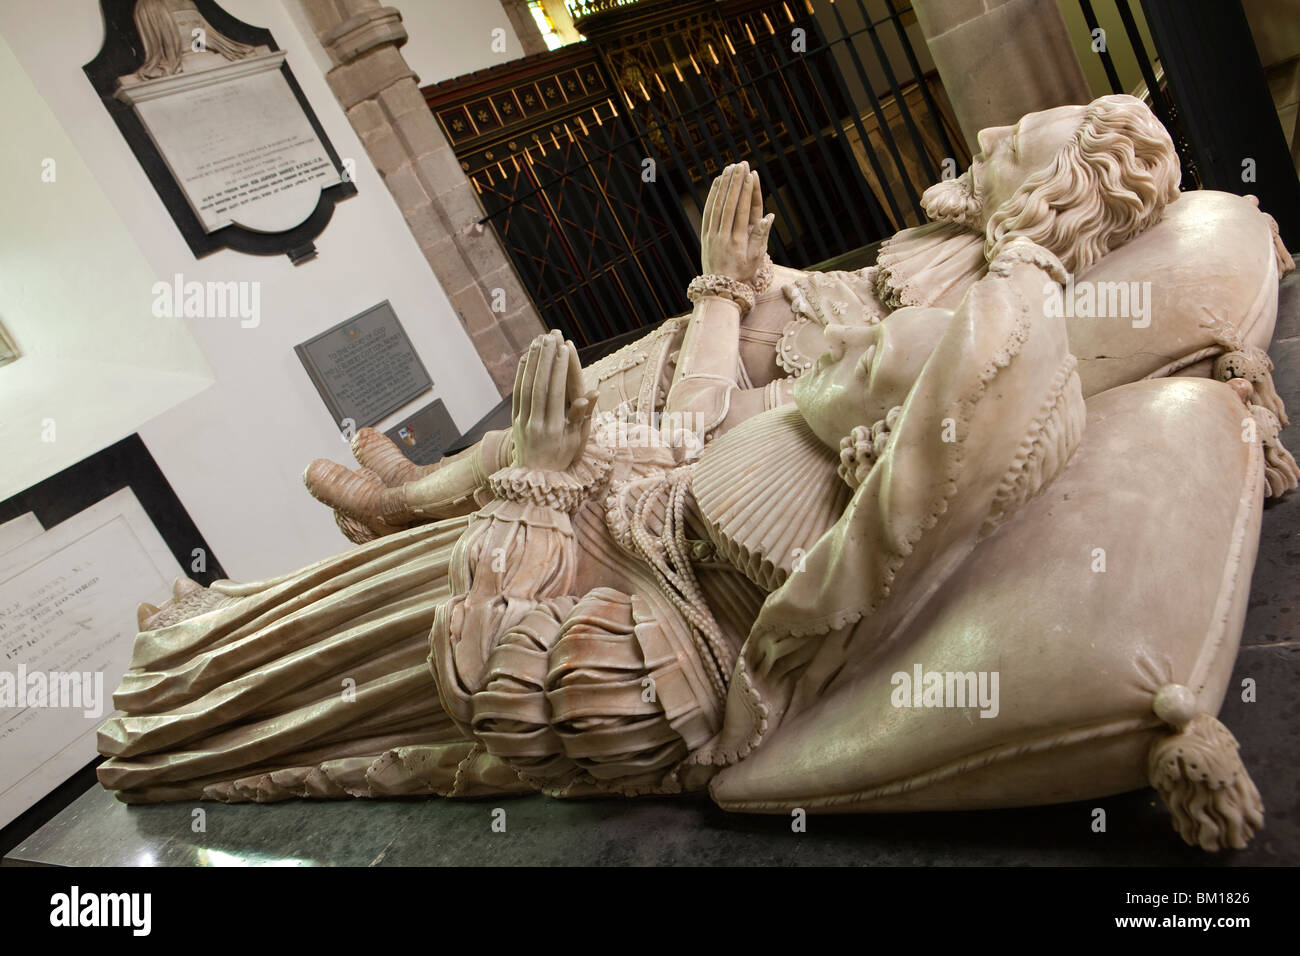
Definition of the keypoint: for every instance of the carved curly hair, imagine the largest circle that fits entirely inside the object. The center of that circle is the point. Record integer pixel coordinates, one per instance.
(1109, 184)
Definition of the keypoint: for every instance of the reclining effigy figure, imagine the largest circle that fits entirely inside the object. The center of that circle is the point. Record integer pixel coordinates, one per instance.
(913, 497)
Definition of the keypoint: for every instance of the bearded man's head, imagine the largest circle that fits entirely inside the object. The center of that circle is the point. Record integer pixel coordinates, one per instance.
(1078, 180)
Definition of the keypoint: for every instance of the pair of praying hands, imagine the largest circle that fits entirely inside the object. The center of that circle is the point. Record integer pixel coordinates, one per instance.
(551, 414)
(733, 230)
(550, 407)
(550, 424)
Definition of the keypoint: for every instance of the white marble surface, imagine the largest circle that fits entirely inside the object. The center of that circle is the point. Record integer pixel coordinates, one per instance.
(237, 142)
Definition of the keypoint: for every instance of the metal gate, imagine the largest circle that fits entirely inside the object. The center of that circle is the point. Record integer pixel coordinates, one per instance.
(593, 161)
(1202, 77)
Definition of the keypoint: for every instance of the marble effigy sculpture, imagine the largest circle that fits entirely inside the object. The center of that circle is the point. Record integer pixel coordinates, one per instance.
(943, 533)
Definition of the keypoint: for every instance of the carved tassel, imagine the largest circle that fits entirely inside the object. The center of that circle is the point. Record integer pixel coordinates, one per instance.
(1281, 473)
(1256, 367)
(1198, 773)
(1280, 469)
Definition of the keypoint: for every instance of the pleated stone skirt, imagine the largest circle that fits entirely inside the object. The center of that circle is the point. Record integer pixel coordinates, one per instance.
(313, 684)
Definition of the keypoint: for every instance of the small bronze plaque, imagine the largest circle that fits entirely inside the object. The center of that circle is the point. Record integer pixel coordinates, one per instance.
(425, 435)
(364, 368)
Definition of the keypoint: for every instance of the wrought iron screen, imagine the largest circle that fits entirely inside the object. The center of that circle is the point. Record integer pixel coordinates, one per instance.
(593, 162)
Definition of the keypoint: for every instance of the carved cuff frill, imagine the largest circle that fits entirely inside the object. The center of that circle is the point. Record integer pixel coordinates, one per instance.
(778, 392)
(744, 294)
(722, 287)
(1024, 251)
(862, 448)
(560, 490)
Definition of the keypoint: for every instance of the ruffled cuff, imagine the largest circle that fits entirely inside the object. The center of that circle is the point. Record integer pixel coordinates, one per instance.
(560, 490)
(722, 287)
(743, 294)
(863, 447)
(1022, 251)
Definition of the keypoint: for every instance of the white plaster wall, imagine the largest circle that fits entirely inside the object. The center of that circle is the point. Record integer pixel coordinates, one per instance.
(74, 295)
(453, 37)
(235, 452)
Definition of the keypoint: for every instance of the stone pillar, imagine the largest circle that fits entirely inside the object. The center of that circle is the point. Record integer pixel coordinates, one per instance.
(1001, 59)
(521, 18)
(382, 98)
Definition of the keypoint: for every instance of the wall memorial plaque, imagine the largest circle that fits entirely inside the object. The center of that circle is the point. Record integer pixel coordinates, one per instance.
(425, 436)
(364, 368)
(78, 552)
(212, 111)
(237, 142)
(67, 622)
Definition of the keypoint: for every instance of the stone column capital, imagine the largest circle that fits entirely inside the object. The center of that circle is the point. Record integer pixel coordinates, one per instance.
(363, 32)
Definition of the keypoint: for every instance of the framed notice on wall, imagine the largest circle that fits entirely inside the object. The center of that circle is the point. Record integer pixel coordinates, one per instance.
(364, 368)
(78, 553)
